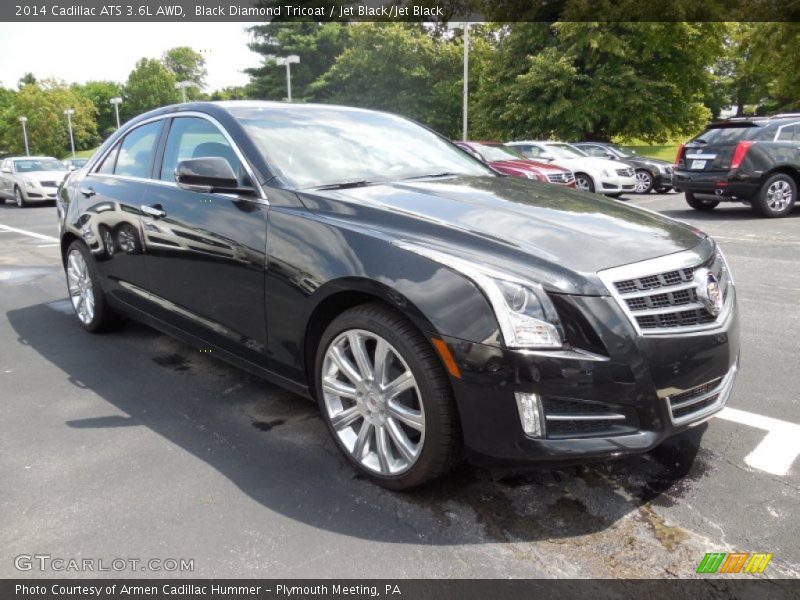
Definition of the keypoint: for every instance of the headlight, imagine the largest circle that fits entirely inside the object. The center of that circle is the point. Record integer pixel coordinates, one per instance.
(605, 173)
(662, 168)
(526, 316)
(31, 185)
(725, 264)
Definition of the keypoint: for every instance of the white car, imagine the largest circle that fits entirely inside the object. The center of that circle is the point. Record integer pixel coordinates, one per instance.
(592, 174)
(27, 179)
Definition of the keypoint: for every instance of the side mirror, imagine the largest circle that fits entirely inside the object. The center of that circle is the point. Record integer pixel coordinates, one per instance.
(6, 170)
(209, 174)
(547, 157)
(611, 156)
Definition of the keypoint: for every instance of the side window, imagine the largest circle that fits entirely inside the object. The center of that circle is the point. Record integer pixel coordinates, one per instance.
(107, 167)
(193, 137)
(593, 150)
(137, 150)
(529, 151)
(789, 133)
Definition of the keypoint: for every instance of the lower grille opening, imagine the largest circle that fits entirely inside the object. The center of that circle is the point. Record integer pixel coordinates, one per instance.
(569, 418)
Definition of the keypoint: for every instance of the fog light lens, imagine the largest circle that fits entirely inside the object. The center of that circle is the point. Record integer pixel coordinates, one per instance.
(530, 414)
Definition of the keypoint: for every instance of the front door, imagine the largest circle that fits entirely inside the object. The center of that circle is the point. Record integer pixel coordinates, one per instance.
(205, 252)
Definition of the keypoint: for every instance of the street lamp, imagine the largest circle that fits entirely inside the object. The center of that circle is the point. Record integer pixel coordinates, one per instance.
(182, 85)
(24, 120)
(465, 101)
(116, 102)
(69, 112)
(292, 59)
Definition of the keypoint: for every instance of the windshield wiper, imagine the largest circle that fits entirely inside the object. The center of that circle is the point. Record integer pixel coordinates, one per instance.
(431, 175)
(342, 185)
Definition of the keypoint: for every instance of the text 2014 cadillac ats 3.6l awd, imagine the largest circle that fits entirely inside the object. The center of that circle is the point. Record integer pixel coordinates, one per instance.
(434, 308)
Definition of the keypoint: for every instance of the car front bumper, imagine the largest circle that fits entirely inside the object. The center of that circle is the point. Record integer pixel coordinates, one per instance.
(39, 194)
(615, 185)
(647, 382)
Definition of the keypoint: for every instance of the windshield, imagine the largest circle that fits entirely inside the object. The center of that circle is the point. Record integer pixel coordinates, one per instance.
(565, 151)
(315, 146)
(727, 134)
(38, 164)
(494, 153)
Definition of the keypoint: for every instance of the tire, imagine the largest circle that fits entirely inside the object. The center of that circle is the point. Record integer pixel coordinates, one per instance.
(428, 426)
(86, 294)
(19, 198)
(776, 197)
(615, 195)
(663, 190)
(644, 182)
(699, 203)
(584, 182)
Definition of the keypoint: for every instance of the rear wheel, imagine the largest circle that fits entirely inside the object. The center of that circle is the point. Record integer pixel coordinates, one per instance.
(776, 197)
(700, 203)
(584, 182)
(19, 198)
(385, 397)
(644, 182)
(85, 292)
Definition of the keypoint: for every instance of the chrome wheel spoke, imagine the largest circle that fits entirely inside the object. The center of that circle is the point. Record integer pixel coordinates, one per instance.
(346, 418)
(338, 388)
(344, 365)
(401, 441)
(399, 385)
(359, 351)
(362, 440)
(382, 449)
(412, 418)
(381, 360)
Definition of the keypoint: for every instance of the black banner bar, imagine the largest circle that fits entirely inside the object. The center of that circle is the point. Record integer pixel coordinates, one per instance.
(403, 589)
(396, 10)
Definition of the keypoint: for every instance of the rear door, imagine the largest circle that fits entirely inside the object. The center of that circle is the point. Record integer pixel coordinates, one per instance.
(206, 252)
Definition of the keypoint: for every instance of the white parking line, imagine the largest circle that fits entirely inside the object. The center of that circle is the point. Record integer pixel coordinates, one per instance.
(780, 447)
(33, 234)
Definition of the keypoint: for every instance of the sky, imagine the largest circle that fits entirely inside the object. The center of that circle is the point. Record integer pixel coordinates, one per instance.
(79, 52)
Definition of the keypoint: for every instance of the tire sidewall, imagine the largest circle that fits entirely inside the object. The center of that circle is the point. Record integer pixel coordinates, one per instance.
(434, 427)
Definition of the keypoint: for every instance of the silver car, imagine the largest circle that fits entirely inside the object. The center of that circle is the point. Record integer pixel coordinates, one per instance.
(27, 179)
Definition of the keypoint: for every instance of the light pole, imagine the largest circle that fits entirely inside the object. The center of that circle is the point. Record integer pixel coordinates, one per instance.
(24, 120)
(290, 60)
(465, 101)
(69, 112)
(182, 85)
(116, 102)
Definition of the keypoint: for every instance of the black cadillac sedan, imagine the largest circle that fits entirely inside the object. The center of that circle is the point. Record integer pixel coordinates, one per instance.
(433, 308)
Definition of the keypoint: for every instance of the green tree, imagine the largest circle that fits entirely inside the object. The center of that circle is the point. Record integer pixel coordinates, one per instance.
(27, 79)
(44, 104)
(100, 93)
(775, 51)
(149, 86)
(598, 80)
(317, 45)
(234, 92)
(187, 65)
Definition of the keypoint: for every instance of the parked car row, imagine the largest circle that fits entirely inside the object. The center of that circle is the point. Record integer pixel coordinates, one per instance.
(29, 179)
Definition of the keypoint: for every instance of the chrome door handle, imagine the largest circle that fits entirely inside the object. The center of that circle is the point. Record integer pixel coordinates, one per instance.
(88, 191)
(154, 211)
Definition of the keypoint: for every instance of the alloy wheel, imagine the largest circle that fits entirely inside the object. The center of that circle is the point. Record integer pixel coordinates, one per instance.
(583, 183)
(779, 195)
(644, 182)
(18, 196)
(373, 402)
(79, 282)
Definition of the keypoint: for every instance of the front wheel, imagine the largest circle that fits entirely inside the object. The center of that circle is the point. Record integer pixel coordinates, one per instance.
(85, 292)
(700, 203)
(19, 198)
(385, 397)
(644, 182)
(584, 182)
(776, 197)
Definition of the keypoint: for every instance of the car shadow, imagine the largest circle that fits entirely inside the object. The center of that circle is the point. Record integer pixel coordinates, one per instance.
(275, 448)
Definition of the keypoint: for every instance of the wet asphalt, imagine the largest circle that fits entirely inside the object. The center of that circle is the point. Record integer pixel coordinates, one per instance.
(132, 445)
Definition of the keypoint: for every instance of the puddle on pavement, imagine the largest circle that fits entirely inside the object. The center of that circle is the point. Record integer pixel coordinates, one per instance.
(176, 362)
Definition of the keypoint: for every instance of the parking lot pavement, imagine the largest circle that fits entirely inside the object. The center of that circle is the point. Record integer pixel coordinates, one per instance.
(132, 445)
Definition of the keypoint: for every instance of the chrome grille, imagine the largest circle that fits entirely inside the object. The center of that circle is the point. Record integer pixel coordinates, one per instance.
(664, 298)
(49, 183)
(626, 172)
(560, 177)
(568, 417)
(701, 401)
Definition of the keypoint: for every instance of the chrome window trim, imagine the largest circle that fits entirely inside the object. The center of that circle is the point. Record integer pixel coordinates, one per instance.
(262, 197)
(671, 262)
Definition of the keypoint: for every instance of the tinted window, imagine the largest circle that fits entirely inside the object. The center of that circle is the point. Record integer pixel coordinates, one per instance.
(38, 164)
(727, 135)
(137, 150)
(109, 161)
(529, 151)
(593, 150)
(789, 133)
(191, 137)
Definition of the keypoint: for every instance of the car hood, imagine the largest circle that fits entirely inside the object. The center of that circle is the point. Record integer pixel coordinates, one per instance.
(556, 236)
(519, 165)
(56, 176)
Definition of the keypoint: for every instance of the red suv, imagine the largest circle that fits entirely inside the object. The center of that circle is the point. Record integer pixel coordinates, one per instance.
(505, 160)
